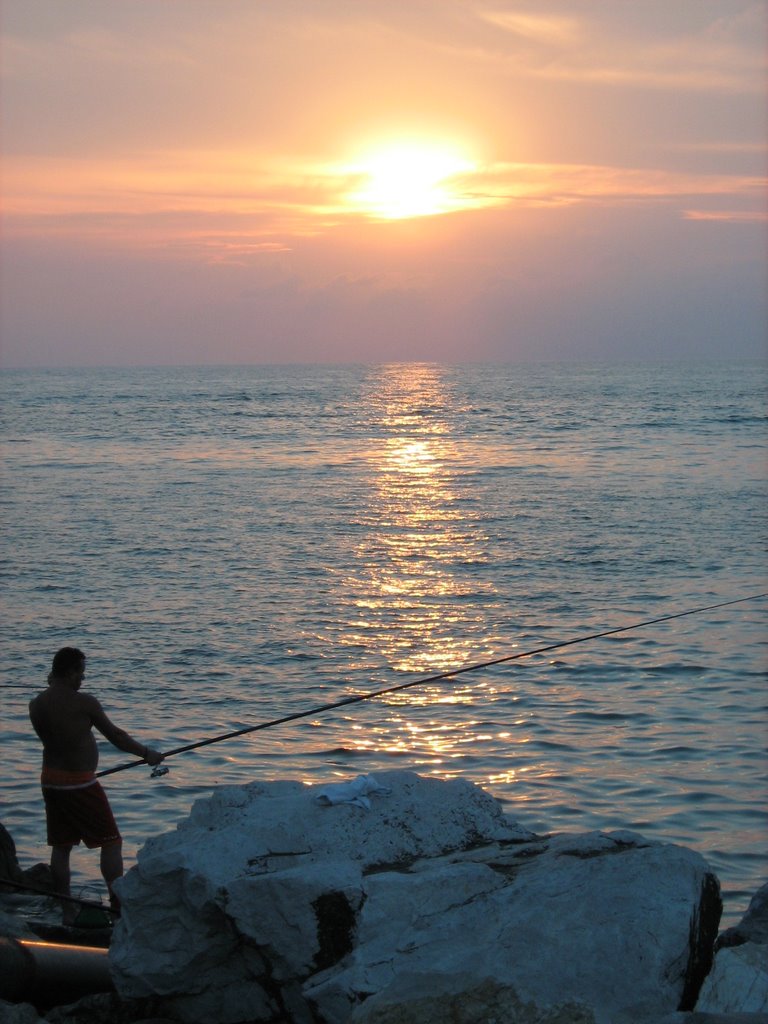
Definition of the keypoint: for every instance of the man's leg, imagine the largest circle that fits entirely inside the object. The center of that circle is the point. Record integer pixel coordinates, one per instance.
(61, 874)
(112, 869)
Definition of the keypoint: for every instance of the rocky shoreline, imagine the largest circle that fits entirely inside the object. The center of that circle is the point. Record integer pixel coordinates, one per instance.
(399, 899)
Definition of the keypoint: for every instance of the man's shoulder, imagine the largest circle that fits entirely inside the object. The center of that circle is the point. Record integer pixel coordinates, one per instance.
(62, 698)
(40, 699)
(37, 702)
(87, 700)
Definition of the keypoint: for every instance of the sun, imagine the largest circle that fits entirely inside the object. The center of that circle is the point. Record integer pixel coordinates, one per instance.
(409, 179)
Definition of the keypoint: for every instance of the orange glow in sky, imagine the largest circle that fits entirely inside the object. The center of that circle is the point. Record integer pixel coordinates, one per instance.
(344, 182)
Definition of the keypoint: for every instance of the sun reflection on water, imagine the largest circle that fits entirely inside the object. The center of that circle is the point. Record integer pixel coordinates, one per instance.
(411, 565)
(417, 589)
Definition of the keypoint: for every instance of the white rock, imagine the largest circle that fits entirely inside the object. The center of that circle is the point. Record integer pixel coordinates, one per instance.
(264, 905)
(461, 999)
(738, 982)
(596, 921)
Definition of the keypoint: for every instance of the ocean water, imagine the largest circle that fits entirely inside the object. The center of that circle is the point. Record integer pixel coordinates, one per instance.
(229, 545)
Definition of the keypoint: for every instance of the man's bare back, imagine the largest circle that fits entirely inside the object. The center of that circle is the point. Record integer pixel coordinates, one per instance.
(64, 718)
(64, 721)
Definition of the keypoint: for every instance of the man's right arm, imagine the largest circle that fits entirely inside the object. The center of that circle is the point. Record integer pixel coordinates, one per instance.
(119, 737)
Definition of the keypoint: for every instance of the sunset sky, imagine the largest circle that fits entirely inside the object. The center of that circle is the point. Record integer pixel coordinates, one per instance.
(207, 181)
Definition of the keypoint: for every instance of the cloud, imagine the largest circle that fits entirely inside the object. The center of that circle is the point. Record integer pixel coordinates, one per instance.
(549, 29)
(575, 183)
(728, 216)
(600, 48)
(221, 249)
(226, 207)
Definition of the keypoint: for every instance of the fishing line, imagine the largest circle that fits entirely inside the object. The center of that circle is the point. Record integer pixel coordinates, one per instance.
(49, 892)
(357, 698)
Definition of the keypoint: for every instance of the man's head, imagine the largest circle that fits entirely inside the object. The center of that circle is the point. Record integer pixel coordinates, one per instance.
(68, 663)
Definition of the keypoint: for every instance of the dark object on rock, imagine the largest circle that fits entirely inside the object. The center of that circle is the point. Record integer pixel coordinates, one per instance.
(9, 864)
(39, 877)
(49, 975)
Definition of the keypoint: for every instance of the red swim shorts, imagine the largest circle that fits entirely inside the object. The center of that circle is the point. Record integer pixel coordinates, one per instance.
(77, 810)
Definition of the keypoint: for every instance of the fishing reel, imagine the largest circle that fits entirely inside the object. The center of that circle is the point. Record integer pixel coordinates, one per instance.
(159, 770)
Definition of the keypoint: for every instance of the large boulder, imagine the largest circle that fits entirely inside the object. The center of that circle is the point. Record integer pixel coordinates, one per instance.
(273, 903)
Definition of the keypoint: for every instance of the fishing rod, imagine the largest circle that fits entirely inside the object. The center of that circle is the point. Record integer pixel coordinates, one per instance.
(357, 698)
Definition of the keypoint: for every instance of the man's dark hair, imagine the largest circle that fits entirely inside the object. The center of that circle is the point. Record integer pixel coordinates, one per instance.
(66, 660)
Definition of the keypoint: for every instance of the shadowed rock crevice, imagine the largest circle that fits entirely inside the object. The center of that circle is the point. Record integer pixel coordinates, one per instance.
(705, 922)
(336, 922)
(615, 845)
(403, 866)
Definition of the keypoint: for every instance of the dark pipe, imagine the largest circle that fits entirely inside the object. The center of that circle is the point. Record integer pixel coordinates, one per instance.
(49, 974)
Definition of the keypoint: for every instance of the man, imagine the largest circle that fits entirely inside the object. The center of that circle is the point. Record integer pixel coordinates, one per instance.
(76, 806)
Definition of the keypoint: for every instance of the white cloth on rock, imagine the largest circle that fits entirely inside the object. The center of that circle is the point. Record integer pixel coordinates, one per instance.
(355, 792)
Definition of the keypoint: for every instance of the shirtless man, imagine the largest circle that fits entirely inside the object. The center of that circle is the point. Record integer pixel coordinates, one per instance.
(76, 806)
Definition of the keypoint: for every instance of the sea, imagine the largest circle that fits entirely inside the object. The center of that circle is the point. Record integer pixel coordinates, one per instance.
(233, 545)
